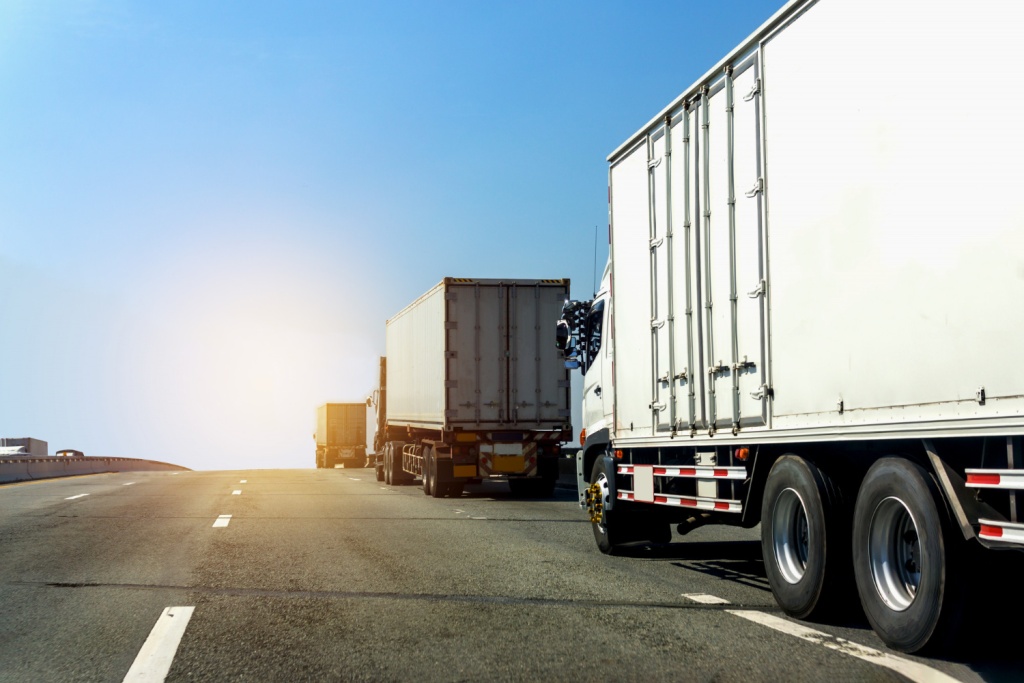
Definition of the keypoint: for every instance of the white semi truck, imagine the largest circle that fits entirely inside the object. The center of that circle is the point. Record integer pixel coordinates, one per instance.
(472, 389)
(813, 306)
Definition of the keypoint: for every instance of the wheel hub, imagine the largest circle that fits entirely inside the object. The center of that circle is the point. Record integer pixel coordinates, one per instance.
(790, 536)
(595, 498)
(895, 554)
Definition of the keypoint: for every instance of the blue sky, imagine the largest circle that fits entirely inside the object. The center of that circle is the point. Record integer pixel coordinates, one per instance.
(208, 210)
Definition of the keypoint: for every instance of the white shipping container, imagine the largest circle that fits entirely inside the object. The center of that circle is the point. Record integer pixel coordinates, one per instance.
(478, 355)
(813, 240)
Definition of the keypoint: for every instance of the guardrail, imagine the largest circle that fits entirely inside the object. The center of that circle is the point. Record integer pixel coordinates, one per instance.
(22, 468)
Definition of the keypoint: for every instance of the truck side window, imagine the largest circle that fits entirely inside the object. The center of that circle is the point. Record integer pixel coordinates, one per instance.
(595, 323)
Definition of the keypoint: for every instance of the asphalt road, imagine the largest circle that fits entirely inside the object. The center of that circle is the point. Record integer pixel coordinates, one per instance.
(330, 575)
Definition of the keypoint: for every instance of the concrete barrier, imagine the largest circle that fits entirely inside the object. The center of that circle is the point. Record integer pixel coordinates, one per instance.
(26, 468)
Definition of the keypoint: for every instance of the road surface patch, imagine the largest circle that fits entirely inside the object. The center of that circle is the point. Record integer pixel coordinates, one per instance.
(222, 520)
(157, 653)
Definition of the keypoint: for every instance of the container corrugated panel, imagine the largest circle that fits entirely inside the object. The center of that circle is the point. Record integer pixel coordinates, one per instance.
(479, 354)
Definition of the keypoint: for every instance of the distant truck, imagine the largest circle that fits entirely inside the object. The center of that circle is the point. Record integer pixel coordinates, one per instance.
(341, 435)
(812, 308)
(22, 446)
(472, 389)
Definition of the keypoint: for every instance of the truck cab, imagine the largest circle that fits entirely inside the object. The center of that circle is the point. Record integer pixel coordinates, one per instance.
(583, 334)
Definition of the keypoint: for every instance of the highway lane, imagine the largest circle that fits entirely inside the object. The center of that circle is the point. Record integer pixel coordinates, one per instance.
(330, 575)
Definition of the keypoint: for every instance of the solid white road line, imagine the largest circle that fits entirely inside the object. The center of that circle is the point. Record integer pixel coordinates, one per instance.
(157, 653)
(222, 520)
(80, 495)
(911, 670)
(236, 492)
(705, 599)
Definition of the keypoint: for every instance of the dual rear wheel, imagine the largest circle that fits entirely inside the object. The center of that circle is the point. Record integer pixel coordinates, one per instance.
(894, 546)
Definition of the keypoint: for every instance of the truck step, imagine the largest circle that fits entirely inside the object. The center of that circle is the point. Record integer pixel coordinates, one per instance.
(691, 471)
(1005, 532)
(995, 479)
(719, 504)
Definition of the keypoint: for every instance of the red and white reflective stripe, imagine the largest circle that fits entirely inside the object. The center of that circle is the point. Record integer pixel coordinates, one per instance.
(995, 479)
(1006, 532)
(693, 472)
(719, 504)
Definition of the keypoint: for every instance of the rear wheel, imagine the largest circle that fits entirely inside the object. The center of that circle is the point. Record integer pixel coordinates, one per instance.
(805, 538)
(387, 463)
(378, 471)
(904, 557)
(428, 483)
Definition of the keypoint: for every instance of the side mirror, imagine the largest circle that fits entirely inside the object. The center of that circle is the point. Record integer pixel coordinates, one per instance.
(562, 335)
(572, 364)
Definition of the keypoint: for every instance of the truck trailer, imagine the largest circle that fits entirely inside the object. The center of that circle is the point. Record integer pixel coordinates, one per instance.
(810, 310)
(472, 389)
(341, 435)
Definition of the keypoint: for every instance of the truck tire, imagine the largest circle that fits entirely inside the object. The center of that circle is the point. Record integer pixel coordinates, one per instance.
(438, 484)
(805, 539)
(378, 471)
(387, 463)
(428, 483)
(399, 477)
(905, 557)
(612, 528)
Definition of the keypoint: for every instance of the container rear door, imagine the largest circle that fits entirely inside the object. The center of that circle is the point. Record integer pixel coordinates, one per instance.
(475, 331)
(538, 379)
(354, 424)
(733, 278)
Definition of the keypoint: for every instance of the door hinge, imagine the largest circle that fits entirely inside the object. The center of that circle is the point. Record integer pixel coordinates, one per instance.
(743, 365)
(753, 91)
(756, 190)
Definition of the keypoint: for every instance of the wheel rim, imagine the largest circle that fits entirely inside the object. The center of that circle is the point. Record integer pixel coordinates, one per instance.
(894, 552)
(790, 535)
(597, 499)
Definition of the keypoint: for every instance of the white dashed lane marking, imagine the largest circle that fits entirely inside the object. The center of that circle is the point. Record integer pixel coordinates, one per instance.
(236, 492)
(911, 670)
(222, 520)
(355, 478)
(80, 495)
(919, 673)
(705, 599)
(157, 653)
(128, 484)
(244, 481)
